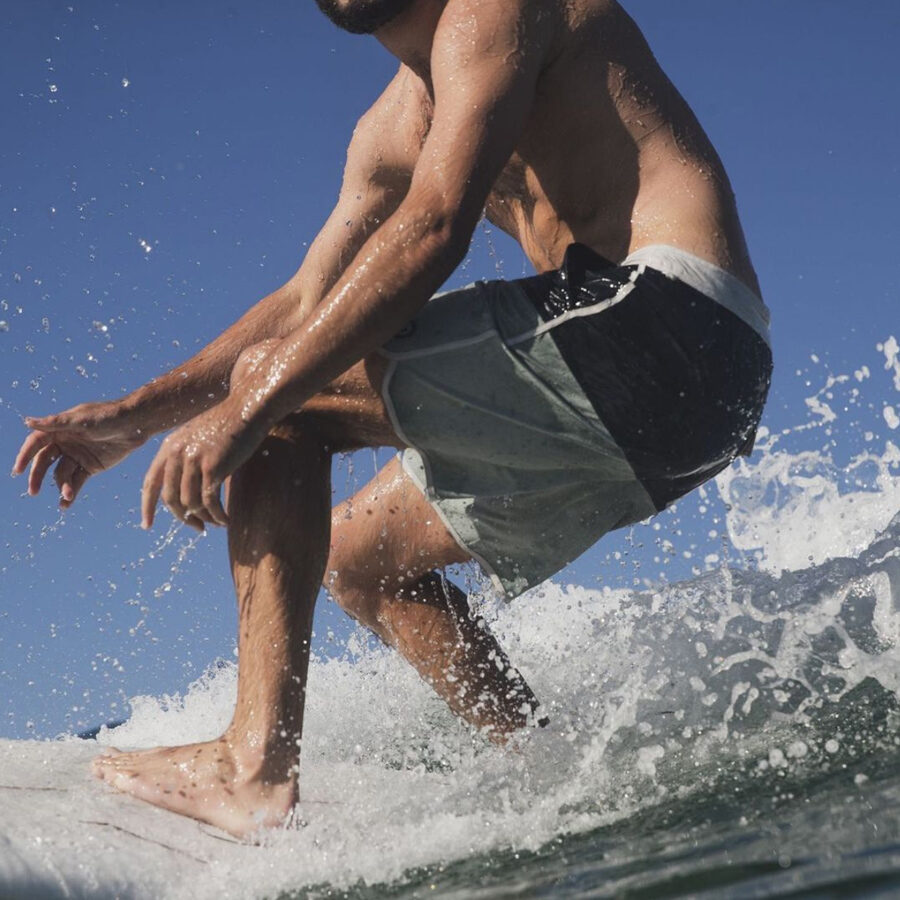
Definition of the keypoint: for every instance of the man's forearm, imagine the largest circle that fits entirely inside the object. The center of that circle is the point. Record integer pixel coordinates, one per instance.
(202, 381)
(390, 279)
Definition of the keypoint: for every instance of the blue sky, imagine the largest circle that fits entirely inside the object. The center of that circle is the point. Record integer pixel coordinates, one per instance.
(164, 165)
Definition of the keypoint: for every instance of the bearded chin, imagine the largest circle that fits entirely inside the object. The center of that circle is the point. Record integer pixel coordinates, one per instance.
(362, 16)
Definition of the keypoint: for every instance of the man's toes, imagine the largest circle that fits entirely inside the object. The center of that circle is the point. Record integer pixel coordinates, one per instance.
(103, 767)
(105, 771)
(121, 778)
(110, 753)
(113, 761)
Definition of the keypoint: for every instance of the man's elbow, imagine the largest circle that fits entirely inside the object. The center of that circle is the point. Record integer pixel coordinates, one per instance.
(445, 232)
(441, 216)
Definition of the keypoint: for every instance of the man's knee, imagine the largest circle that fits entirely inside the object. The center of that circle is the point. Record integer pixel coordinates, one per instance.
(352, 575)
(250, 358)
(352, 597)
(346, 589)
(345, 415)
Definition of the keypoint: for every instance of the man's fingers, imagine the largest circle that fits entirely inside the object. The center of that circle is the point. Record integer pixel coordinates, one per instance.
(30, 446)
(43, 459)
(195, 523)
(63, 475)
(171, 488)
(76, 483)
(200, 503)
(153, 482)
(214, 504)
(47, 423)
(191, 486)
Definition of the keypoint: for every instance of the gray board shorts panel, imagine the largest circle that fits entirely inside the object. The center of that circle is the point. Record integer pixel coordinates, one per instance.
(502, 438)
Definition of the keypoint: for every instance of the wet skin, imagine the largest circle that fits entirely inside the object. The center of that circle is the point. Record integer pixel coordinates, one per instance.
(553, 119)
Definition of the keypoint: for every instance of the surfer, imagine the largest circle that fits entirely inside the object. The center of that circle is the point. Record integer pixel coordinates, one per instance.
(533, 415)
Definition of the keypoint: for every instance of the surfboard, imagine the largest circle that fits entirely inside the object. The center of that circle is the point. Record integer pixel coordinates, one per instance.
(64, 834)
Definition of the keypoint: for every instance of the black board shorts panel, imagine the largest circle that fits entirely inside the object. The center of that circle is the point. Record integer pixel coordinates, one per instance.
(678, 380)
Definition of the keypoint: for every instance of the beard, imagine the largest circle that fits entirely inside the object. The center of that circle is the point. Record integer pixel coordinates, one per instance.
(362, 16)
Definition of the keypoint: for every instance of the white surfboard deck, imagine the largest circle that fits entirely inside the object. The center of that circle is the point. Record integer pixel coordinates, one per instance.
(65, 834)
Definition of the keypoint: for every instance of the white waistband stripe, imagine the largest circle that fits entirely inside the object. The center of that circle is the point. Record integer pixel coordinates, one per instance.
(708, 279)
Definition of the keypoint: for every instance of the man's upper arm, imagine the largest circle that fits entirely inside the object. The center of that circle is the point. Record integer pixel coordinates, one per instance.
(375, 182)
(486, 59)
(487, 56)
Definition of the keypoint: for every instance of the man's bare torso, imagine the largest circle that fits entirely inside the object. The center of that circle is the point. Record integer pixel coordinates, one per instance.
(610, 155)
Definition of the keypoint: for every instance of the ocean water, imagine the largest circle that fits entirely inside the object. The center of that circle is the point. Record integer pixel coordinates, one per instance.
(732, 734)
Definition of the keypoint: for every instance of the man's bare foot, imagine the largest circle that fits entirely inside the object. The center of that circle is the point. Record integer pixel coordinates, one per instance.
(207, 782)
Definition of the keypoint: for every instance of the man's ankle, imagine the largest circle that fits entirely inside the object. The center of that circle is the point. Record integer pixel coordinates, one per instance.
(273, 760)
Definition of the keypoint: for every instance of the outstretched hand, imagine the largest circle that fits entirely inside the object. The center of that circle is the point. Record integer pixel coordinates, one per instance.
(193, 462)
(81, 441)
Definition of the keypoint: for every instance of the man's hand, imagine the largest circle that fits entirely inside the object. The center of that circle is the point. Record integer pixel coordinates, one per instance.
(82, 441)
(194, 461)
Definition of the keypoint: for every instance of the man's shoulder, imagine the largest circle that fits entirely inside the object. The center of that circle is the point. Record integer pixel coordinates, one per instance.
(469, 15)
(399, 108)
(472, 28)
(471, 22)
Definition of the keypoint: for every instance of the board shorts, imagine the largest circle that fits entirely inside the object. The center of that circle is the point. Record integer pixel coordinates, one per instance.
(541, 413)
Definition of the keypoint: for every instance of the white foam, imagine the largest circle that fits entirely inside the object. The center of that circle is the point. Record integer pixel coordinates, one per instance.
(891, 350)
(790, 509)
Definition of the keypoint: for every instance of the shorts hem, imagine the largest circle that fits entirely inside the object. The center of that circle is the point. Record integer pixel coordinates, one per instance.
(427, 490)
